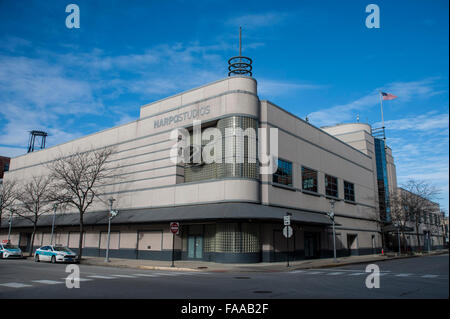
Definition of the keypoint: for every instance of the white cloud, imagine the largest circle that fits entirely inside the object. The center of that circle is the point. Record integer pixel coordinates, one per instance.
(258, 20)
(268, 87)
(345, 112)
(424, 122)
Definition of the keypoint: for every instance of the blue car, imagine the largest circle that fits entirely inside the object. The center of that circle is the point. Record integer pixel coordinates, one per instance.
(54, 253)
(10, 251)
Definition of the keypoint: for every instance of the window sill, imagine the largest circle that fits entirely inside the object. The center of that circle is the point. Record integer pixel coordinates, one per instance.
(332, 197)
(311, 193)
(284, 186)
(350, 202)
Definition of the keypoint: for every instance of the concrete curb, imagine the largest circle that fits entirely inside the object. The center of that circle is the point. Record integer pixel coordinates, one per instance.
(242, 269)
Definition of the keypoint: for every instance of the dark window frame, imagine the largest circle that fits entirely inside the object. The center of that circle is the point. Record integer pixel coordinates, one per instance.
(316, 179)
(331, 192)
(350, 197)
(279, 179)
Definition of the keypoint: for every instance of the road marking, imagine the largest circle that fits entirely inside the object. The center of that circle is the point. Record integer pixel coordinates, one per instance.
(101, 277)
(335, 273)
(124, 276)
(403, 275)
(15, 285)
(313, 272)
(79, 279)
(48, 282)
(430, 276)
(167, 274)
(357, 274)
(144, 275)
(297, 271)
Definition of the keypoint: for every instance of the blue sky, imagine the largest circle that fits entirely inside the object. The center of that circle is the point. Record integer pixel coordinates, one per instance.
(314, 58)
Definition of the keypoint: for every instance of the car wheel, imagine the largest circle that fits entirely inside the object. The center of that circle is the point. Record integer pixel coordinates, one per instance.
(36, 258)
(53, 259)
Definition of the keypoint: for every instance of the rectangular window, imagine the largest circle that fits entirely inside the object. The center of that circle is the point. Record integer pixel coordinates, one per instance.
(331, 186)
(283, 175)
(309, 180)
(349, 191)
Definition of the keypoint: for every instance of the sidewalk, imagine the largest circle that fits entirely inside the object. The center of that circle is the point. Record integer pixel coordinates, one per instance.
(185, 265)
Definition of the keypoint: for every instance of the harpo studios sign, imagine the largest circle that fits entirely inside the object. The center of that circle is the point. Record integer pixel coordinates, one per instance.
(188, 115)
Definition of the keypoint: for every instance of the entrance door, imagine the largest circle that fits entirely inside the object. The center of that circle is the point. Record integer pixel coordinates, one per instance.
(310, 245)
(195, 246)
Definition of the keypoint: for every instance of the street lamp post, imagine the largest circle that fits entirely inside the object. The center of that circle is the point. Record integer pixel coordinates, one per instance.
(10, 223)
(55, 206)
(398, 237)
(331, 215)
(112, 213)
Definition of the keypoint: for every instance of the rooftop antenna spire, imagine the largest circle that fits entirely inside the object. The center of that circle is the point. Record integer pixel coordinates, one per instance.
(240, 41)
(240, 65)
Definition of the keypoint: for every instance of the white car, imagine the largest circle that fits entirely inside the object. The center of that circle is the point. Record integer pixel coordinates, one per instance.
(10, 251)
(54, 253)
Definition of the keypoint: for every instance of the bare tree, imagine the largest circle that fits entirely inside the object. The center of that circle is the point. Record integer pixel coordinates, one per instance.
(416, 200)
(78, 178)
(399, 213)
(8, 196)
(33, 202)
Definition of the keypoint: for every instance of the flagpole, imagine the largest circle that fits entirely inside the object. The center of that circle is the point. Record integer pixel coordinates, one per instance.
(382, 118)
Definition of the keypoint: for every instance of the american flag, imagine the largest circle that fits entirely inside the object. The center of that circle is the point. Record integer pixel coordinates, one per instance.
(388, 96)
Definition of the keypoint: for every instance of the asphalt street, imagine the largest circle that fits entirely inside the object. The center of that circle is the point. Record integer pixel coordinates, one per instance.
(423, 277)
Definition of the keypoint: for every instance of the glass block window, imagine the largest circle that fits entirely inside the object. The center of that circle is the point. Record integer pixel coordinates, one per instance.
(209, 243)
(349, 191)
(331, 186)
(309, 179)
(283, 175)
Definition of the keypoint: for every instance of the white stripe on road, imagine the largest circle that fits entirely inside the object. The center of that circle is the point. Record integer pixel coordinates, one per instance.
(335, 273)
(101, 277)
(15, 285)
(430, 276)
(124, 276)
(357, 274)
(144, 275)
(313, 272)
(79, 279)
(403, 275)
(48, 282)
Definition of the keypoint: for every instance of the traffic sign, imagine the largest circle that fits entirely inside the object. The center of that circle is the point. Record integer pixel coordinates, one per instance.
(287, 220)
(174, 227)
(5, 241)
(288, 231)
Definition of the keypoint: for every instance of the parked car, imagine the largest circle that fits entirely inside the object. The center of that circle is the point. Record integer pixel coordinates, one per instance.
(10, 251)
(54, 253)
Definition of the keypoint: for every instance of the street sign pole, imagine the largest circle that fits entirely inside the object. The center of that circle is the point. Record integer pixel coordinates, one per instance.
(174, 228)
(287, 247)
(287, 226)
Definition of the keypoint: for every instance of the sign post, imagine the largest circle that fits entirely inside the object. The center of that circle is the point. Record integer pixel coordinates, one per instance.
(287, 232)
(174, 228)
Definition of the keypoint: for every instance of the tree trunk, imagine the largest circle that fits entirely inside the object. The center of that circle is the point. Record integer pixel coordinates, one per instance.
(32, 238)
(80, 242)
(418, 238)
